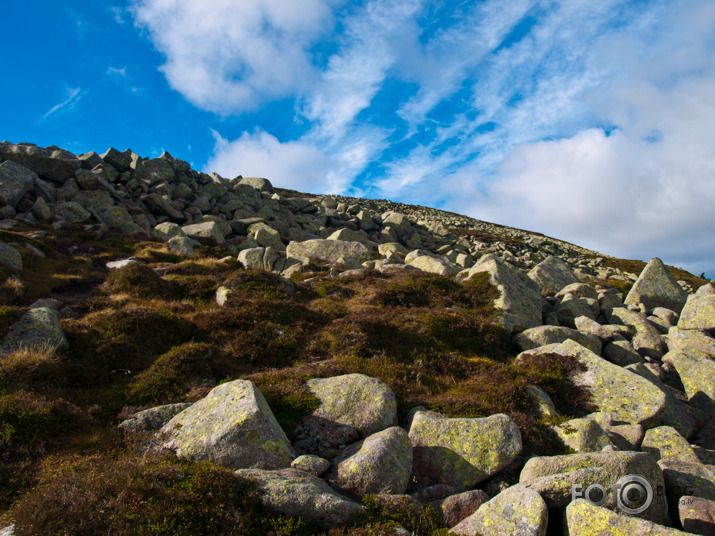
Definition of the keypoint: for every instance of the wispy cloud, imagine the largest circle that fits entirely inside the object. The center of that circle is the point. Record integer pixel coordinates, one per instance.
(73, 97)
(117, 71)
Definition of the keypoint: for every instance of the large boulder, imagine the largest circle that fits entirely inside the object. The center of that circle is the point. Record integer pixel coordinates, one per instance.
(351, 406)
(665, 443)
(583, 435)
(208, 232)
(561, 479)
(152, 418)
(517, 511)
(37, 328)
(11, 257)
(542, 335)
(52, 163)
(691, 341)
(696, 372)
(461, 452)
(258, 258)
(656, 287)
(232, 426)
(296, 493)
(697, 515)
(434, 264)
(626, 396)
(699, 310)
(552, 274)
(329, 251)
(380, 463)
(15, 181)
(519, 299)
(586, 519)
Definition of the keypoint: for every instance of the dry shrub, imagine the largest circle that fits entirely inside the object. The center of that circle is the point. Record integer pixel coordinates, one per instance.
(104, 495)
(30, 366)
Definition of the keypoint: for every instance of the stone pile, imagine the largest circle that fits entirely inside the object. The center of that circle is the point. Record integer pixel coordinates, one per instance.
(648, 358)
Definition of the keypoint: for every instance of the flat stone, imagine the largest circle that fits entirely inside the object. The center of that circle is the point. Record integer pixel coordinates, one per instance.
(329, 251)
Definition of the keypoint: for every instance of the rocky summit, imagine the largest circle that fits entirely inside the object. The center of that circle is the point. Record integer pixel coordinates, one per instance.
(183, 353)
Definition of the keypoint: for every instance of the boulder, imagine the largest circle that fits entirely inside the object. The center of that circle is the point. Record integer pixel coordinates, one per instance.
(120, 161)
(665, 443)
(434, 264)
(37, 328)
(699, 310)
(351, 406)
(71, 212)
(51, 163)
(572, 307)
(208, 233)
(167, 230)
(586, 519)
(348, 235)
(15, 182)
(543, 335)
(656, 287)
(519, 299)
(183, 245)
(517, 511)
(381, 463)
(561, 479)
(461, 452)
(119, 219)
(329, 251)
(266, 236)
(11, 257)
(153, 171)
(626, 396)
(309, 463)
(551, 275)
(697, 373)
(690, 341)
(683, 478)
(296, 493)
(257, 183)
(453, 509)
(153, 418)
(258, 258)
(583, 435)
(697, 515)
(232, 426)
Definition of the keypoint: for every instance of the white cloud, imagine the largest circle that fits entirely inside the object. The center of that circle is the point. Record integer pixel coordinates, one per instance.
(73, 97)
(294, 165)
(227, 55)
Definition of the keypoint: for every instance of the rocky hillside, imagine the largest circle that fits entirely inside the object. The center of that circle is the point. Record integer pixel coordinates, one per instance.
(188, 354)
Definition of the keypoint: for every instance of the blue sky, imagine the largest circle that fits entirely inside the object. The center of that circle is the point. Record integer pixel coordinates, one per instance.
(589, 121)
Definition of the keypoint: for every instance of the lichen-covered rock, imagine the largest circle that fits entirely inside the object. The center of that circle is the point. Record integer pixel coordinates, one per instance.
(329, 251)
(690, 341)
(453, 509)
(519, 299)
(351, 406)
(697, 373)
(266, 236)
(297, 493)
(310, 463)
(683, 478)
(10, 257)
(257, 183)
(656, 287)
(71, 212)
(52, 163)
(572, 307)
(665, 443)
(37, 328)
(168, 230)
(675, 414)
(183, 245)
(154, 171)
(348, 235)
(381, 463)
(558, 478)
(586, 519)
(232, 426)
(697, 515)
(434, 264)
(208, 233)
(152, 418)
(621, 353)
(119, 219)
(258, 258)
(583, 435)
(552, 274)
(699, 310)
(543, 335)
(517, 511)
(544, 405)
(15, 181)
(647, 340)
(461, 452)
(626, 396)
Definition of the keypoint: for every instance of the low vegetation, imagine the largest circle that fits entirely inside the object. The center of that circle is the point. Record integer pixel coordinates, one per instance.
(150, 334)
